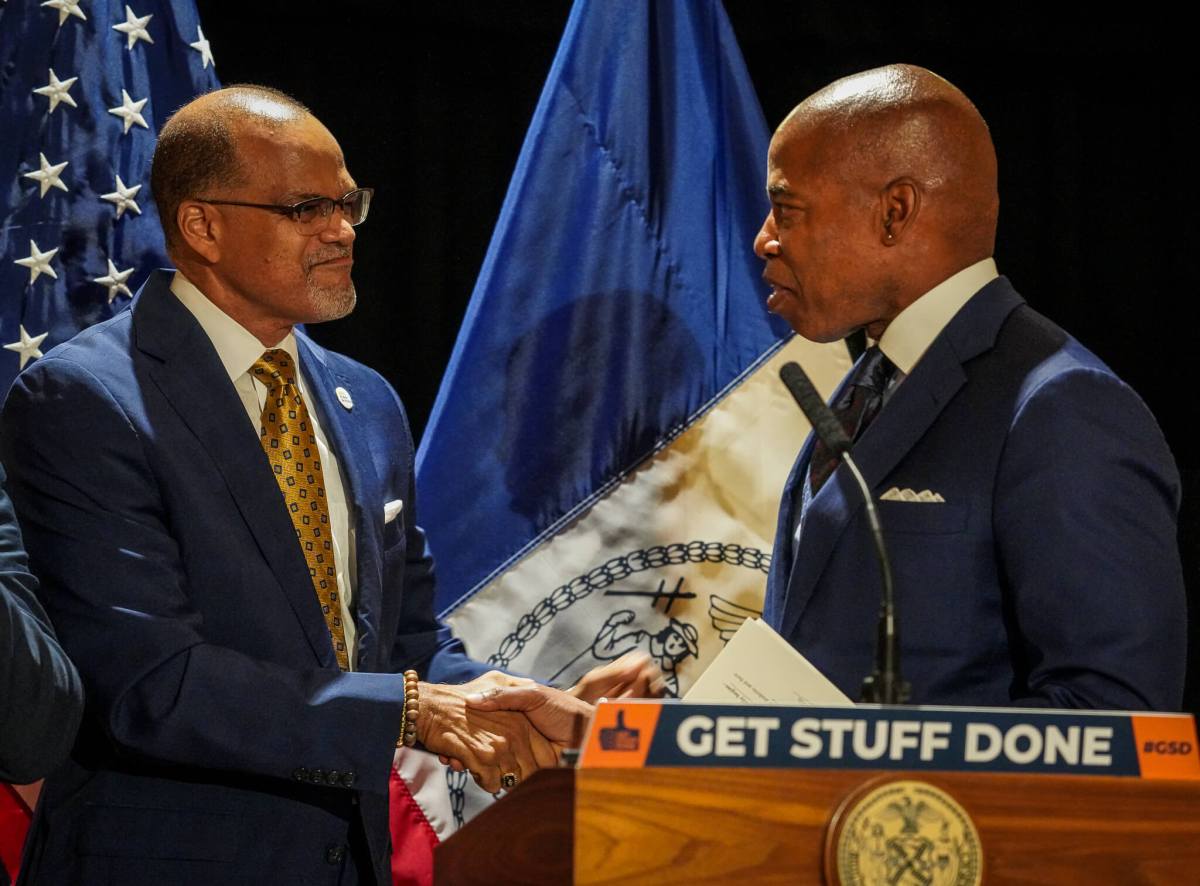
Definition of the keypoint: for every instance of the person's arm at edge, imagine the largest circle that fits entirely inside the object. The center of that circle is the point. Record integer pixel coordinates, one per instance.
(41, 691)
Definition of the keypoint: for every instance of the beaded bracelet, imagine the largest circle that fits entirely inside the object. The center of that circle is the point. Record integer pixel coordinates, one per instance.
(408, 716)
(403, 720)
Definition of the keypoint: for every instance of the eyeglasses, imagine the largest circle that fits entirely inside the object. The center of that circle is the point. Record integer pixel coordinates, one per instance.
(313, 215)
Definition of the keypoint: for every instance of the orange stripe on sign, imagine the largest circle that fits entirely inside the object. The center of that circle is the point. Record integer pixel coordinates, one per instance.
(1167, 747)
(621, 735)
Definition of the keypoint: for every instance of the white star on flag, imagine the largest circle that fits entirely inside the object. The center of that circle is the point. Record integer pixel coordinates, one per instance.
(134, 28)
(115, 281)
(48, 175)
(27, 347)
(56, 91)
(62, 217)
(38, 262)
(122, 198)
(203, 48)
(66, 8)
(130, 111)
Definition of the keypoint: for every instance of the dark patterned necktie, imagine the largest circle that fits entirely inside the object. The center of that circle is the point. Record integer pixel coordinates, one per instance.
(860, 402)
(291, 446)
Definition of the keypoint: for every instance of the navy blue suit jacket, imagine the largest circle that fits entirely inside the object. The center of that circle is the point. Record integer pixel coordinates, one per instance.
(1050, 576)
(221, 742)
(41, 698)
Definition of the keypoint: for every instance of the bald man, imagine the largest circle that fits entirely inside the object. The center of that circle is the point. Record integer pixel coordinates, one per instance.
(222, 515)
(1027, 495)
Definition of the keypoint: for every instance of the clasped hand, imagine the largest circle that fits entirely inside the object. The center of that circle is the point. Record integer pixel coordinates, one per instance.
(499, 724)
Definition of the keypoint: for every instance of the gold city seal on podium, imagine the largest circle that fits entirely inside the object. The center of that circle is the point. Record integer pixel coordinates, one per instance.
(902, 833)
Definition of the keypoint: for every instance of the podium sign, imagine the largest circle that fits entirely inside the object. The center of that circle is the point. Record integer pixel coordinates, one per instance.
(645, 733)
(669, 792)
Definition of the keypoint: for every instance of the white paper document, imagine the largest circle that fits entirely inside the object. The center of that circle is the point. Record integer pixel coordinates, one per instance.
(758, 666)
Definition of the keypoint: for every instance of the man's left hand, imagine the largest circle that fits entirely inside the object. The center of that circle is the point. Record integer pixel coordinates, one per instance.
(633, 675)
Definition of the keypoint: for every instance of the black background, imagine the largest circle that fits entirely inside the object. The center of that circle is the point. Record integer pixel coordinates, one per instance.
(1091, 114)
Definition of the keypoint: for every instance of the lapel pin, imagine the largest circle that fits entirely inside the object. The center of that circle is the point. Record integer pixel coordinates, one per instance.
(344, 397)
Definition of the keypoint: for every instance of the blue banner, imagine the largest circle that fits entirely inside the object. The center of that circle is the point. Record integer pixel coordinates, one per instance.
(912, 739)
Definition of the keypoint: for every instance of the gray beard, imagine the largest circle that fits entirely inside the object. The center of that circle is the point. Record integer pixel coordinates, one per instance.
(330, 303)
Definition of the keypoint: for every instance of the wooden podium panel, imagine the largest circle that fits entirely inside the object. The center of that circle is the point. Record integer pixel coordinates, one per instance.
(768, 826)
(526, 837)
(748, 826)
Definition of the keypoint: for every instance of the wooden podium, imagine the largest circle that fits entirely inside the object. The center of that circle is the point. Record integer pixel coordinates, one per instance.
(815, 796)
(750, 826)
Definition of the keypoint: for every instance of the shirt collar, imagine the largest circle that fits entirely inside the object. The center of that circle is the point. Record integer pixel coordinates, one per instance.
(909, 336)
(236, 347)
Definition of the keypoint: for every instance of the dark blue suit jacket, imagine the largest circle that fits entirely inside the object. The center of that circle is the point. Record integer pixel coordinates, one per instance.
(1049, 577)
(222, 743)
(41, 698)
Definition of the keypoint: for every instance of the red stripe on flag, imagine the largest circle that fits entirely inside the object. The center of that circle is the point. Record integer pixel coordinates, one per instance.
(14, 822)
(413, 839)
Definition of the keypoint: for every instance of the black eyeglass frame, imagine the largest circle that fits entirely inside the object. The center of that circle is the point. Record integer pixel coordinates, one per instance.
(324, 205)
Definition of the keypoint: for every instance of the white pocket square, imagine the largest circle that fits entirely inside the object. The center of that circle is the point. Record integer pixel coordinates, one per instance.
(924, 496)
(391, 510)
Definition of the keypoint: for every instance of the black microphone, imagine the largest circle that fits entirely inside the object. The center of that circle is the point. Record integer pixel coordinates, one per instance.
(884, 685)
(820, 416)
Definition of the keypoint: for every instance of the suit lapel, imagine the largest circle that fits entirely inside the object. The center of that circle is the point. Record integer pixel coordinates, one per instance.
(910, 412)
(190, 375)
(781, 567)
(347, 435)
(779, 578)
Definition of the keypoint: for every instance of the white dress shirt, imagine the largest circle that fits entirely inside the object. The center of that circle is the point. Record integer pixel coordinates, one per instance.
(238, 350)
(910, 334)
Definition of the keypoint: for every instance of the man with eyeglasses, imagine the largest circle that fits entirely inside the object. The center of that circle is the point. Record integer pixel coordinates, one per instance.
(224, 527)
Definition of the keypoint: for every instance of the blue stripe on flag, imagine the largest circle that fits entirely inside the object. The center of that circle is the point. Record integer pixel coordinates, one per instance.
(562, 522)
(619, 294)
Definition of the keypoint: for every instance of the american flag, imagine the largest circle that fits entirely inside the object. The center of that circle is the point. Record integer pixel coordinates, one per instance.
(84, 86)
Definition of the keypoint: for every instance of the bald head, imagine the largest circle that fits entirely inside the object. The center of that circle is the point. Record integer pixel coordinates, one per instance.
(905, 122)
(882, 186)
(197, 149)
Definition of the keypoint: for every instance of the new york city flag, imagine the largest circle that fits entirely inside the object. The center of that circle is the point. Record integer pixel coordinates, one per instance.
(602, 468)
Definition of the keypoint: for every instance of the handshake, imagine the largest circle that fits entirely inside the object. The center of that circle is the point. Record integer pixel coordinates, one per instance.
(502, 728)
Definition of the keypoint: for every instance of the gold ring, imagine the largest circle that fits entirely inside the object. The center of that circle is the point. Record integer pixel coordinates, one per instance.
(508, 781)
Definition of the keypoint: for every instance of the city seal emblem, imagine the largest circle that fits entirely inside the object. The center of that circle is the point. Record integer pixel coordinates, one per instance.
(903, 833)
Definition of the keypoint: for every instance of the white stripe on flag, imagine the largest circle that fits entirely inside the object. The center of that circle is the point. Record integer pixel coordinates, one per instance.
(426, 780)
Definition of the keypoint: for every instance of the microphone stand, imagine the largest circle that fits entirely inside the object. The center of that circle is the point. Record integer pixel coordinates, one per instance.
(884, 685)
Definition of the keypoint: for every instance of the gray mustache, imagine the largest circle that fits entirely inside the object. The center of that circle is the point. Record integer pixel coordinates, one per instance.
(329, 256)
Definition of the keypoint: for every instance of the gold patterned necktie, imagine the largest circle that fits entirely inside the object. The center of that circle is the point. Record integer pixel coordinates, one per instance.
(290, 442)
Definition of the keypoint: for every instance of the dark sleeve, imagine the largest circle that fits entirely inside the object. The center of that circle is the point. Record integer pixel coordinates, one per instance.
(1085, 521)
(41, 698)
(99, 534)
